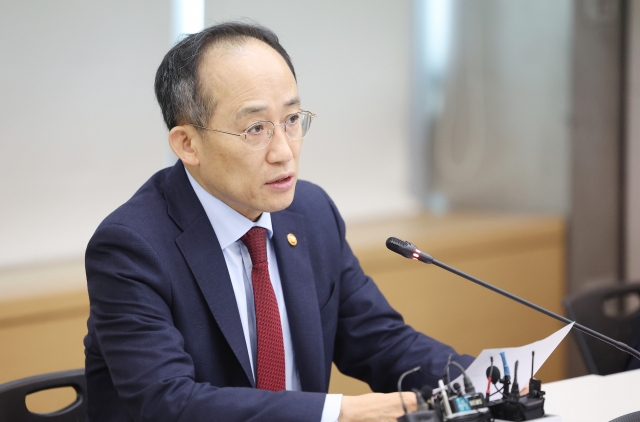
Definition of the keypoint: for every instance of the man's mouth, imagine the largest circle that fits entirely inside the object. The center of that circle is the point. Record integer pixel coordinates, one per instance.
(282, 179)
(281, 182)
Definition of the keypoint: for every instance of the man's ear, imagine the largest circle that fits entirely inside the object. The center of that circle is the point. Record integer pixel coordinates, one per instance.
(184, 141)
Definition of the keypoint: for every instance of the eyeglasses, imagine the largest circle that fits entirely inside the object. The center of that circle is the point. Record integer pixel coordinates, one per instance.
(259, 134)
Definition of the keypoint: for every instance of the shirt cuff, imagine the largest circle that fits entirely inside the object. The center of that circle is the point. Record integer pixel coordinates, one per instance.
(331, 409)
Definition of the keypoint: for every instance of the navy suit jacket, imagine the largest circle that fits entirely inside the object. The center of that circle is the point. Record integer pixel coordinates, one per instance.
(165, 342)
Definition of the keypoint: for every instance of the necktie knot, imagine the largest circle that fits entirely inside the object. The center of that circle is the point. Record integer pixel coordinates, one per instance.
(256, 242)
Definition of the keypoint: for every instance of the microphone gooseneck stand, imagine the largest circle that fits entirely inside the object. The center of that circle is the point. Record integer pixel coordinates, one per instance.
(408, 250)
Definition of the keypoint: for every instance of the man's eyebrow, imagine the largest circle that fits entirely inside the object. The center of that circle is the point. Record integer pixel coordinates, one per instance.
(292, 102)
(245, 111)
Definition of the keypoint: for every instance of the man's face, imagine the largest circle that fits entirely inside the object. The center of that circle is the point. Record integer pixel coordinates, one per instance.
(249, 83)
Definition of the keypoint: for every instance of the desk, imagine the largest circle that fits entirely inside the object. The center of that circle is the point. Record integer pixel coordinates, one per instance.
(593, 397)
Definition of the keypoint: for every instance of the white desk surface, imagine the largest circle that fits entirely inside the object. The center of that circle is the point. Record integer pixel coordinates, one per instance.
(593, 397)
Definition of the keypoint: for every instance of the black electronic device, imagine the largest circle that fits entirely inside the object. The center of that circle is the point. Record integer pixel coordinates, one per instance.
(453, 404)
(425, 415)
(450, 403)
(425, 412)
(512, 406)
(535, 385)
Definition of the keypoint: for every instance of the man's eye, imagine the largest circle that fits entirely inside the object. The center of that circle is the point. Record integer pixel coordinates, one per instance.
(255, 129)
(293, 119)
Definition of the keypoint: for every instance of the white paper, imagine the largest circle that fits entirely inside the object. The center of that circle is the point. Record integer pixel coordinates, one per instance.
(543, 348)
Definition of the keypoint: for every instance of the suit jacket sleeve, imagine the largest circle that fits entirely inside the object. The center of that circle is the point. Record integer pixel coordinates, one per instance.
(372, 341)
(131, 314)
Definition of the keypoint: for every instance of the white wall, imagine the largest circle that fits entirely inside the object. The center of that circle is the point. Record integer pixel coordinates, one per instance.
(80, 129)
(352, 60)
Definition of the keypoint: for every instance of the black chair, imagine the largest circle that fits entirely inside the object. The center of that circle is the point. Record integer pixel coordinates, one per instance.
(631, 417)
(14, 408)
(588, 309)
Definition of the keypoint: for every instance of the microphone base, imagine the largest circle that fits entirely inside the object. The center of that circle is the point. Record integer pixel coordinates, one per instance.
(545, 418)
(524, 408)
(420, 416)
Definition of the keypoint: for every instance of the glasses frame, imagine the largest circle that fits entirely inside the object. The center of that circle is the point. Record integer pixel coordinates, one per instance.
(269, 135)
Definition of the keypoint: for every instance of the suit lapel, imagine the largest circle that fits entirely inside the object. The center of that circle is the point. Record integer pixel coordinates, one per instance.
(200, 247)
(299, 290)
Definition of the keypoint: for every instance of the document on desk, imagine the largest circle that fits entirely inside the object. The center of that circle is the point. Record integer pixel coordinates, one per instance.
(542, 348)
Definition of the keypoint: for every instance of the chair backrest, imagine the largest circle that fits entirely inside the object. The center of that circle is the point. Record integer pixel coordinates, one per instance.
(631, 417)
(13, 406)
(588, 309)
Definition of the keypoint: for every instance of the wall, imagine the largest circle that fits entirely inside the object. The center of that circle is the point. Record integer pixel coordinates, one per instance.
(596, 130)
(352, 60)
(632, 148)
(506, 251)
(499, 134)
(82, 131)
(80, 127)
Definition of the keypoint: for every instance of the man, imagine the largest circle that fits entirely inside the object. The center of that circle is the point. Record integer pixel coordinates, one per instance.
(216, 294)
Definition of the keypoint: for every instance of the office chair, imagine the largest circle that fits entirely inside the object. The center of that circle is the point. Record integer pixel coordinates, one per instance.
(588, 308)
(631, 417)
(14, 408)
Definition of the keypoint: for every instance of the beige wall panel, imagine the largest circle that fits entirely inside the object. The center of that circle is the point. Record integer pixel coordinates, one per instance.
(43, 334)
(524, 255)
(41, 347)
(471, 318)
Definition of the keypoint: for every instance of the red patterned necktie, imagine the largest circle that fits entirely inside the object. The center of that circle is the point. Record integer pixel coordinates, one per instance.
(270, 374)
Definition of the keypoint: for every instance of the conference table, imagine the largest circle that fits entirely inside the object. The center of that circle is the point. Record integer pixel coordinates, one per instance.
(593, 397)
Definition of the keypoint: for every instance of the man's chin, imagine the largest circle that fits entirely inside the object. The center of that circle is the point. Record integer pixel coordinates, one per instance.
(281, 202)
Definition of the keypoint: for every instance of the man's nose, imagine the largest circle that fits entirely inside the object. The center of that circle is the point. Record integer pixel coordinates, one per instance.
(279, 147)
(271, 132)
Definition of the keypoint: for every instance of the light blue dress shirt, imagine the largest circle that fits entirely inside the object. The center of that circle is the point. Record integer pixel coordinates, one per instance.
(230, 226)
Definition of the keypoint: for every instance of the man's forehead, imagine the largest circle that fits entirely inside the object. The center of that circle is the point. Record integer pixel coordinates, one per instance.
(246, 52)
(247, 78)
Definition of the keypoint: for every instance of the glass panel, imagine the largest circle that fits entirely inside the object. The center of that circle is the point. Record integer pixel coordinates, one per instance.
(497, 101)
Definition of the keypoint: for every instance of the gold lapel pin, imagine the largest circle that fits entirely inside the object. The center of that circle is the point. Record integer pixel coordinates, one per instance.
(292, 239)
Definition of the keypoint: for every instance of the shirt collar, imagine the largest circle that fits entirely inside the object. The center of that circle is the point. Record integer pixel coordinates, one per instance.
(228, 224)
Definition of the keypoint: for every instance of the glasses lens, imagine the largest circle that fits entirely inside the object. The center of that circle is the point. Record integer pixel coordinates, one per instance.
(259, 134)
(297, 125)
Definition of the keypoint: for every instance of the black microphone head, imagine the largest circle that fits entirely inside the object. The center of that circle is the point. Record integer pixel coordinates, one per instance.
(401, 247)
(426, 392)
(494, 373)
(457, 388)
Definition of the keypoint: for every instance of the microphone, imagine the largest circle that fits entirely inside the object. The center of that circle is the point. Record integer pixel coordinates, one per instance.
(493, 374)
(408, 250)
(515, 388)
(426, 392)
(423, 414)
(506, 380)
(404, 374)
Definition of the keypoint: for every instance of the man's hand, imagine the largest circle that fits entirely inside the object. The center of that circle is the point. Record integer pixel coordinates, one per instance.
(375, 407)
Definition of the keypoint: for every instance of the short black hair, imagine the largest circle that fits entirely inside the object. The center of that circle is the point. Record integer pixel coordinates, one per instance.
(177, 88)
